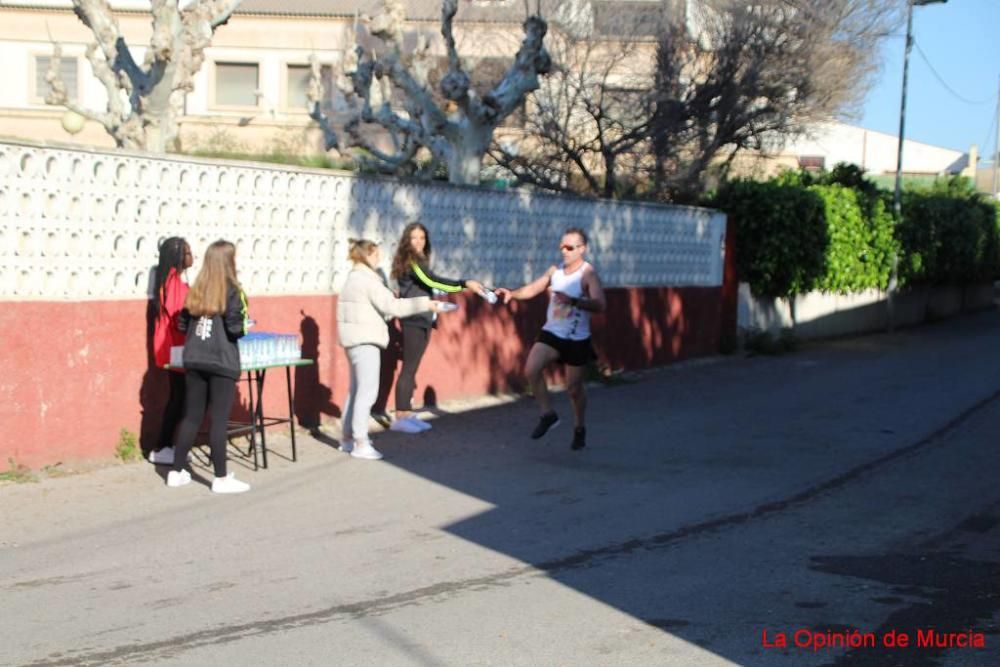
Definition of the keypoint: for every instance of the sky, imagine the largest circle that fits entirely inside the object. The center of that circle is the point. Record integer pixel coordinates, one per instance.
(960, 41)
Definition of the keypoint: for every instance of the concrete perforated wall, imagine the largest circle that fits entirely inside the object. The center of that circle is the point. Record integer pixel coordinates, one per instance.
(83, 224)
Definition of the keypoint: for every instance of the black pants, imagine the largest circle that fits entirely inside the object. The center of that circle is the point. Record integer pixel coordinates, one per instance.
(415, 341)
(174, 411)
(216, 393)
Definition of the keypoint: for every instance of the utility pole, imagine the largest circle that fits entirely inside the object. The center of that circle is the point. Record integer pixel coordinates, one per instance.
(897, 200)
(996, 146)
(897, 206)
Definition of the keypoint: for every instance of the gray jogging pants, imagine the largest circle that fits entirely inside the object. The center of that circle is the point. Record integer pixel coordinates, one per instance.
(366, 363)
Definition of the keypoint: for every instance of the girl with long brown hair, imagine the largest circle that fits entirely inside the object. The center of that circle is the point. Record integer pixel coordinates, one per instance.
(214, 318)
(411, 270)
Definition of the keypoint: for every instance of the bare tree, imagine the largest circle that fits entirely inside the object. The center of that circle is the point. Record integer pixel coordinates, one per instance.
(589, 120)
(455, 129)
(753, 72)
(144, 102)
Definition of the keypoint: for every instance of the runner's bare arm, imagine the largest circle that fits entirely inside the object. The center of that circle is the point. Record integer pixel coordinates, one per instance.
(534, 288)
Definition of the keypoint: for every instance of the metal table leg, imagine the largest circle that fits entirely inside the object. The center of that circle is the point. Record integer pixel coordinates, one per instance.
(259, 415)
(291, 410)
(253, 420)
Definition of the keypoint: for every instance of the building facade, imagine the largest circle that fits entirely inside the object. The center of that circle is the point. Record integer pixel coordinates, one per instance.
(827, 144)
(250, 93)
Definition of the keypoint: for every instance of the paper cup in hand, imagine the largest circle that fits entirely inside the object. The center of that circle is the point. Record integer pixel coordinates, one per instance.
(446, 307)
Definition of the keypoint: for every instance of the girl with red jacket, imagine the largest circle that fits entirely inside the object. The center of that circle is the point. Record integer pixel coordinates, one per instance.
(168, 301)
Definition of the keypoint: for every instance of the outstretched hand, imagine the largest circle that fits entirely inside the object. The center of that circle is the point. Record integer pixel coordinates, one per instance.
(504, 294)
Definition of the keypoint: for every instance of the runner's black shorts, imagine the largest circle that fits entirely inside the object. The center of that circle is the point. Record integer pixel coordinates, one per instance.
(571, 352)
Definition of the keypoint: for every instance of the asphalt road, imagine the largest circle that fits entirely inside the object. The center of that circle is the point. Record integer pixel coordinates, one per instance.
(850, 486)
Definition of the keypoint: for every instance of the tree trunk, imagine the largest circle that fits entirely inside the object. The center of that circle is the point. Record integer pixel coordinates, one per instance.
(155, 141)
(159, 122)
(464, 166)
(609, 175)
(465, 153)
(160, 130)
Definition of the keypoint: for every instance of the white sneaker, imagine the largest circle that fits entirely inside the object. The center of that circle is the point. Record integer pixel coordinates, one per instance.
(178, 478)
(164, 457)
(364, 450)
(229, 484)
(346, 446)
(421, 424)
(406, 425)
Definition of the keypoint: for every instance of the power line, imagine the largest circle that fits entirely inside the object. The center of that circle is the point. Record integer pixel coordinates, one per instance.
(951, 90)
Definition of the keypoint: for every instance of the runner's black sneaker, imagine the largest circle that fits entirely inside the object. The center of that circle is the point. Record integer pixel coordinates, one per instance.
(579, 438)
(545, 422)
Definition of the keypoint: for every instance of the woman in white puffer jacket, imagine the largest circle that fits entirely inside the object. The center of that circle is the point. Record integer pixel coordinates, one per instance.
(363, 307)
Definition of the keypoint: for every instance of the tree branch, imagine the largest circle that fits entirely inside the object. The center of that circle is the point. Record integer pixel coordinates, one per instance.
(457, 137)
(111, 82)
(455, 84)
(59, 96)
(216, 12)
(398, 73)
(315, 94)
(531, 60)
(389, 163)
(388, 24)
(198, 24)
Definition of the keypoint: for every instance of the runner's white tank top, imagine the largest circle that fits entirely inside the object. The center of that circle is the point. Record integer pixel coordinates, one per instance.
(564, 320)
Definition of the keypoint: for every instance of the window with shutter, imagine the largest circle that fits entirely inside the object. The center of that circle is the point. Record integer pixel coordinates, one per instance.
(236, 84)
(297, 87)
(68, 69)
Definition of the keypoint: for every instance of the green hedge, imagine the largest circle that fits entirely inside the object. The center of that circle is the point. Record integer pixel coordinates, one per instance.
(780, 236)
(859, 250)
(835, 233)
(949, 236)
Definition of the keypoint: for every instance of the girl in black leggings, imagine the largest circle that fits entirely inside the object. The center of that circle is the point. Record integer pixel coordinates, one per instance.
(411, 269)
(214, 318)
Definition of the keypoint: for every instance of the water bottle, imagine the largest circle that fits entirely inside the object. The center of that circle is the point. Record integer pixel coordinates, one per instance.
(489, 295)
